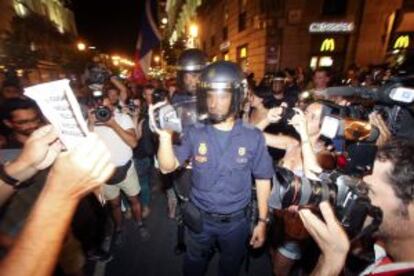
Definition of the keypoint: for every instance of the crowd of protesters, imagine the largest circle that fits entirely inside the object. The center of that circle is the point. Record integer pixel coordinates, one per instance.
(294, 145)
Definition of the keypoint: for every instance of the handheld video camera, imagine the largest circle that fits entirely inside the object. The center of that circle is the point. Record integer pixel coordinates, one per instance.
(393, 100)
(348, 196)
(174, 116)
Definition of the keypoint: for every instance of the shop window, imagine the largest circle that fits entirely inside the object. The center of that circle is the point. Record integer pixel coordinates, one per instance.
(226, 56)
(334, 7)
(242, 56)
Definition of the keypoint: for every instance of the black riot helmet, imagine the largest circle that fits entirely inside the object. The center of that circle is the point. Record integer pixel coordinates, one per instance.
(221, 79)
(191, 61)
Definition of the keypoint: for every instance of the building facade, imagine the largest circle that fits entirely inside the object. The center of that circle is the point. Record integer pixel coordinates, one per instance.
(57, 12)
(267, 35)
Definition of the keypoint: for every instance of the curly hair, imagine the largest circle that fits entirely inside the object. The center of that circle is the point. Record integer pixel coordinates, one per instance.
(400, 152)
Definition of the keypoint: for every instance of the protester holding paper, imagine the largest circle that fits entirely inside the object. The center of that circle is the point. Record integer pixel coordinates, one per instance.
(37, 247)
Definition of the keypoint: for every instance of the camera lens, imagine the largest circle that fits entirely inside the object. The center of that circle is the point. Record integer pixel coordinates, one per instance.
(103, 114)
(302, 191)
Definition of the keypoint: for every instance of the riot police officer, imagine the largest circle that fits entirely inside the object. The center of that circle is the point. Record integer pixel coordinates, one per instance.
(189, 66)
(225, 153)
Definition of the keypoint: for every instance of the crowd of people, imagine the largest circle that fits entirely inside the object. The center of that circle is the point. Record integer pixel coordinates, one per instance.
(239, 136)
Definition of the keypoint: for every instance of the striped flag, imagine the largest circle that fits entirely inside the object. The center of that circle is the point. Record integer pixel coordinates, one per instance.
(148, 38)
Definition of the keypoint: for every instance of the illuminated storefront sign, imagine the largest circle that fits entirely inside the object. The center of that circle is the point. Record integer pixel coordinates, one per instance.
(328, 45)
(402, 42)
(331, 27)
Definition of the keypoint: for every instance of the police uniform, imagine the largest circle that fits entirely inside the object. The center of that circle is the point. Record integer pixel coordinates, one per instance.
(221, 190)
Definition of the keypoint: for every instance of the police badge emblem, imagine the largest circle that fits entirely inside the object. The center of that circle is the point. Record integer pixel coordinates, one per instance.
(202, 148)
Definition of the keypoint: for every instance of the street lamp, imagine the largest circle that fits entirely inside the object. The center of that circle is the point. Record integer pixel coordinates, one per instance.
(164, 20)
(193, 31)
(81, 46)
(157, 59)
(192, 36)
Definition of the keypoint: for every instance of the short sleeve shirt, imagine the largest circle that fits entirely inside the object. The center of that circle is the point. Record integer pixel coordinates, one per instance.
(221, 180)
(121, 152)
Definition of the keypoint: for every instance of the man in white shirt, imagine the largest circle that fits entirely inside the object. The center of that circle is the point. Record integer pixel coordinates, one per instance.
(118, 134)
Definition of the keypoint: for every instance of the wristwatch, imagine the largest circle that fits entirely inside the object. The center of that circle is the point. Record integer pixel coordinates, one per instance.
(264, 220)
(7, 178)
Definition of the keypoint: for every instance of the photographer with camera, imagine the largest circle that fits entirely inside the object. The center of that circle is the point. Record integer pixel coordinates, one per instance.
(117, 130)
(225, 153)
(390, 187)
(302, 158)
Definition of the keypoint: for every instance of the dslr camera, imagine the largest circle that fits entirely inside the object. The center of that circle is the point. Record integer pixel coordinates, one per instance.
(96, 75)
(348, 195)
(102, 112)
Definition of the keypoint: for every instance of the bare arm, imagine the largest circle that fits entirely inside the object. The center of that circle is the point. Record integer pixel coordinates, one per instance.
(123, 91)
(280, 141)
(273, 116)
(263, 193)
(39, 151)
(310, 162)
(37, 247)
(167, 160)
(127, 135)
(138, 128)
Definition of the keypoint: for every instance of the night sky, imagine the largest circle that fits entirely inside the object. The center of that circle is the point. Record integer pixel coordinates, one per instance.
(110, 25)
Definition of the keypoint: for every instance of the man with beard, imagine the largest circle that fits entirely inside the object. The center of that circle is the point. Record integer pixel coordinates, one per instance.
(190, 64)
(22, 117)
(391, 188)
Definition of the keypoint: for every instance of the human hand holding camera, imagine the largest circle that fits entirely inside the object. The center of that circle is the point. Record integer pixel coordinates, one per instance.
(275, 114)
(299, 122)
(330, 237)
(162, 133)
(376, 120)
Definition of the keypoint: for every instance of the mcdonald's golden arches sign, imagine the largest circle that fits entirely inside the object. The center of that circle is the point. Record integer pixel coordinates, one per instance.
(402, 42)
(328, 45)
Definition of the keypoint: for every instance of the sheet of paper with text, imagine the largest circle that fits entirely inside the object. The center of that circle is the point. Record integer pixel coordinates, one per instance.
(59, 105)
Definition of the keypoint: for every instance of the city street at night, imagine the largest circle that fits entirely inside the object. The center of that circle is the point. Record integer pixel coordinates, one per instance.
(206, 137)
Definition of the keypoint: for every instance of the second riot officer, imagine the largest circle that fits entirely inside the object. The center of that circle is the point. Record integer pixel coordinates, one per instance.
(225, 154)
(189, 66)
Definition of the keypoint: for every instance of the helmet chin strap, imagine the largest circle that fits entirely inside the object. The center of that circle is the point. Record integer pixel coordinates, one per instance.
(216, 119)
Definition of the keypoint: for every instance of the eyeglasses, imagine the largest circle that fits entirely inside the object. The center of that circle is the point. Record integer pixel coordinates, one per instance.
(27, 121)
